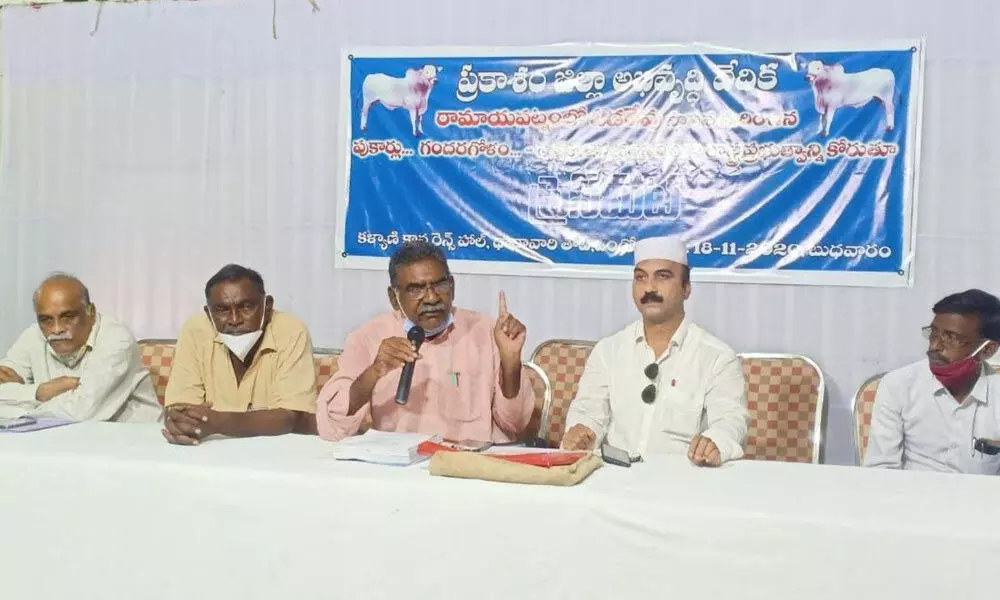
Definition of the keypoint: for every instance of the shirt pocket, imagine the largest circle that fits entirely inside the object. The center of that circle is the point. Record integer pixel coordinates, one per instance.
(464, 400)
(683, 414)
(985, 464)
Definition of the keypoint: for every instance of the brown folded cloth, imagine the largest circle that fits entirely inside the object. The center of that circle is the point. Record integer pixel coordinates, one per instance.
(471, 465)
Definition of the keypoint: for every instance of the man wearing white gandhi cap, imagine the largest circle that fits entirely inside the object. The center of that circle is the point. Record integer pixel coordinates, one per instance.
(662, 384)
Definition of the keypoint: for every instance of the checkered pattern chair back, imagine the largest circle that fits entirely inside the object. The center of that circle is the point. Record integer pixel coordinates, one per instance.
(785, 400)
(563, 362)
(158, 356)
(326, 361)
(862, 407)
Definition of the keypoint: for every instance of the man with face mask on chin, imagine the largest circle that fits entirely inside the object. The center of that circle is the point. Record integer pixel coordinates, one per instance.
(663, 384)
(75, 363)
(928, 415)
(467, 379)
(241, 368)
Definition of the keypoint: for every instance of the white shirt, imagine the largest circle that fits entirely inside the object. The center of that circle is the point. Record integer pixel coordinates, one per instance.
(700, 389)
(917, 424)
(113, 384)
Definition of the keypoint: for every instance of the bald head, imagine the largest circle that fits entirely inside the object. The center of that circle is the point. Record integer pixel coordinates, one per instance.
(64, 312)
(63, 284)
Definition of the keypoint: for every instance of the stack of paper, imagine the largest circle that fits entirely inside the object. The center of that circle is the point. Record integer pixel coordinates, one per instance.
(383, 447)
(26, 424)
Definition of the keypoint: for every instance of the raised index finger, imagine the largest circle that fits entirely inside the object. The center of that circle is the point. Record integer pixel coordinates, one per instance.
(503, 304)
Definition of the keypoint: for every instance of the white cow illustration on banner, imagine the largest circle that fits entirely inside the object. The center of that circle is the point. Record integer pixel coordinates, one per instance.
(833, 88)
(409, 92)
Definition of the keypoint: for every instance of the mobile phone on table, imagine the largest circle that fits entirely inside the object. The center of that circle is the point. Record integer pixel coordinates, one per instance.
(16, 422)
(473, 445)
(615, 456)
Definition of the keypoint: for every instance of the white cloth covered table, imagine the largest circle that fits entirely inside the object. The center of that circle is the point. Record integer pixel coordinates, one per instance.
(112, 511)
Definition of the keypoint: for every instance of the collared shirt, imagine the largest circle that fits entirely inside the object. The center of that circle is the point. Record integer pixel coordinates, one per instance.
(700, 389)
(282, 373)
(455, 391)
(114, 386)
(917, 424)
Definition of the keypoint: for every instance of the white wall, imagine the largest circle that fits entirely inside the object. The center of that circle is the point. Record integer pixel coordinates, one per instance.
(182, 136)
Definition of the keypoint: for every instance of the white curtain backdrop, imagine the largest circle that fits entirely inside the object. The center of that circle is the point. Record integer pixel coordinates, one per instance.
(180, 136)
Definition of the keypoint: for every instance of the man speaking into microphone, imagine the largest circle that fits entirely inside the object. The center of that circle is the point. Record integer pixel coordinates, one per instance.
(466, 383)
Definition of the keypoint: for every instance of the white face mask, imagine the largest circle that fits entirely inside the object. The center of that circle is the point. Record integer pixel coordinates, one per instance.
(428, 333)
(240, 344)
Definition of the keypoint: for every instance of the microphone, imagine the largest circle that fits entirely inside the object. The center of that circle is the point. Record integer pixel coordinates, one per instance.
(415, 335)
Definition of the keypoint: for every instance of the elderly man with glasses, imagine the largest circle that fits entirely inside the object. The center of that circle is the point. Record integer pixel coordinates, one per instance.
(466, 378)
(663, 384)
(936, 414)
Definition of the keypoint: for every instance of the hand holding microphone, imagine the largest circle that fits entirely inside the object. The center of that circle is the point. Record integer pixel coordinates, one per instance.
(416, 337)
(392, 354)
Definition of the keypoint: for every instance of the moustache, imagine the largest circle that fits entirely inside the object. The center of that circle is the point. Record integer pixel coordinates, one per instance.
(650, 297)
(430, 308)
(59, 337)
(935, 357)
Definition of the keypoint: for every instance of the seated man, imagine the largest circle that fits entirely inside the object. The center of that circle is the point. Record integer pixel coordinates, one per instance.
(241, 368)
(467, 379)
(927, 414)
(76, 363)
(662, 384)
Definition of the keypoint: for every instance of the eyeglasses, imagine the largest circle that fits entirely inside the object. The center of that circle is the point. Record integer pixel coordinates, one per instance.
(416, 291)
(649, 392)
(947, 338)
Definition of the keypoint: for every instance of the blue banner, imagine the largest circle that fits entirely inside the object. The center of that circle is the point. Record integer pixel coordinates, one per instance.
(789, 167)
